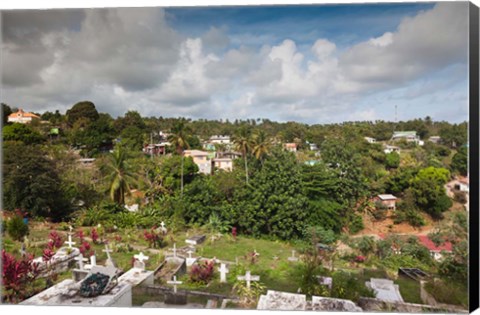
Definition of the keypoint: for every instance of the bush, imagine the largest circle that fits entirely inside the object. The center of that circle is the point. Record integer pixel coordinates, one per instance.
(202, 273)
(460, 196)
(16, 228)
(356, 224)
(350, 287)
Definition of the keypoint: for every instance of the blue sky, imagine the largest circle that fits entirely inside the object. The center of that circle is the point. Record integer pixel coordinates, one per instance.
(309, 63)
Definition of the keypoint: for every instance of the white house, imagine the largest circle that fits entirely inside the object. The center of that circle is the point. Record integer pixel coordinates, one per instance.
(225, 164)
(370, 140)
(391, 148)
(220, 139)
(435, 139)
(409, 136)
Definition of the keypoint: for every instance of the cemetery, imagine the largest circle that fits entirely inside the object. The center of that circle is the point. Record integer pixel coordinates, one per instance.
(225, 272)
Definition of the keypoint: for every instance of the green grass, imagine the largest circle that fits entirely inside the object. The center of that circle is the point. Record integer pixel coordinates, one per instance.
(409, 289)
(448, 293)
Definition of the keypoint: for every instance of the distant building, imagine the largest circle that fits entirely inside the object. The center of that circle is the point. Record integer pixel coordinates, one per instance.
(230, 154)
(225, 164)
(22, 117)
(292, 147)
(435, 139)
(435, 251)
(219, 139)
(387, 200)
(87, 162)
(156, 148)
(409, 136)
(313, 147)
(370, 140)
(201, 159)
(391, 148)
(462, 184)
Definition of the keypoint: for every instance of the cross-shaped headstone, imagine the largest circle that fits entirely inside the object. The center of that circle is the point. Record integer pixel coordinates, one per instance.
(162, 225)
(174, 282)
(93, 260)
(293, 258)
(189, 253)
(69, 242)
(70, 228)
(174, 249)
(139, 261)
(249, 278)
(109, 258)
(80, 260)
(223, 273)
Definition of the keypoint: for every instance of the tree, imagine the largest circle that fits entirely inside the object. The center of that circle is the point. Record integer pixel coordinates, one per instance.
(393, 160)
(6, 112)
(178, 138)
(261, 145)
(429, 191)
(21, 132)
(119, 174)
(243, 142)
(31, 183)
(84, 109)
(460, 161)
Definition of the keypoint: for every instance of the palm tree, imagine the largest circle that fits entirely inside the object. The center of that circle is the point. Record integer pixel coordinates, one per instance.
(178, 138)
(119, 175)
(243, 142)
(261, 145)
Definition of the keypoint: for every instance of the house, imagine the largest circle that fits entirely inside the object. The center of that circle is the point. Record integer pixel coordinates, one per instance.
(201, 159)
(435, 139)
(462, 184)
(220, 139)
(387, 200)
(409, 136)
(86, 162)
(225, 164)
(391, 148)
(313, 147)
(370, 140)
(156, 148)
(22, 117)
(230, 154)
(435, 251)
(292, 147)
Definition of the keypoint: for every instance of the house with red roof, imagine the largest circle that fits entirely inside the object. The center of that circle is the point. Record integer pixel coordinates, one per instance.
(435, 251)
(22, 117)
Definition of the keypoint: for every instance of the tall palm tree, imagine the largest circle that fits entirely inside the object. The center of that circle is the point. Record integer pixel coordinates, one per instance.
(261, 145)
(243, 143)
(119, 175)
(178, 138)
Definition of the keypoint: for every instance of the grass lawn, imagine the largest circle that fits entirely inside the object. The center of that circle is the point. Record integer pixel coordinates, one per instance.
(409, 289)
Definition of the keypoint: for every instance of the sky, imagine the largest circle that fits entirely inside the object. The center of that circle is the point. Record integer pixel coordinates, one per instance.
(322, 63)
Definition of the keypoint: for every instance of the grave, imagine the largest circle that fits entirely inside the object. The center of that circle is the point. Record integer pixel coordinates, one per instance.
(248, 278)
(327, 281)
(175, 298)
(191, 260)
(223, 273)
(385, 290)
(293, 258)
(60, 262)
(283, 301)
(195, 240)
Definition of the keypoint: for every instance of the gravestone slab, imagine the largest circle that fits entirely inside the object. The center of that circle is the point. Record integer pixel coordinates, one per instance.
(195, 240)
(320, 303)
(275, 300)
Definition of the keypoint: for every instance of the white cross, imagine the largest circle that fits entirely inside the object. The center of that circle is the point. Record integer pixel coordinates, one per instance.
(163, 225)
(69, 242)
(108, 251)
(189, 254)
(293, 253)
(175, 250)
(70, 228)
(174, 282)
(248, 277)
(93, 260)
(140, 257)
(80, 260)
(223, 273)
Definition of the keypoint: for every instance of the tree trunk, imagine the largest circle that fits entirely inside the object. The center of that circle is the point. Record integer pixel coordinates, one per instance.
(246, 168)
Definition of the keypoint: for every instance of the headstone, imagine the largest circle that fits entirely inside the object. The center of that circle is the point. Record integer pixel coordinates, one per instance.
(139, 261)
(293, 258)
(175, 283)
(69, 242)
(174, 250)
(191, 260)
(195, 240)
(109, 258)
(328, 281)
(80, 261)
(223, 273)
(23, 250)
(248, 278)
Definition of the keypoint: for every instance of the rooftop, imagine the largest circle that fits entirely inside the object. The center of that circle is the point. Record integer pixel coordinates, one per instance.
(428, 243)
(387, 197)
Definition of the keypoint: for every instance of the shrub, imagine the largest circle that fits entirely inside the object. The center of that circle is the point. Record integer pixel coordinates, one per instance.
(16, 228)
(350, 287)
(460, 196)
(202, 273)
(153, 238)
(17, 277)
(356, 224)
(55, 241)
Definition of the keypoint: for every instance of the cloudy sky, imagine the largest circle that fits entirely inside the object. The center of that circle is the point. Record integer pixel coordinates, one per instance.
(314, 64)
